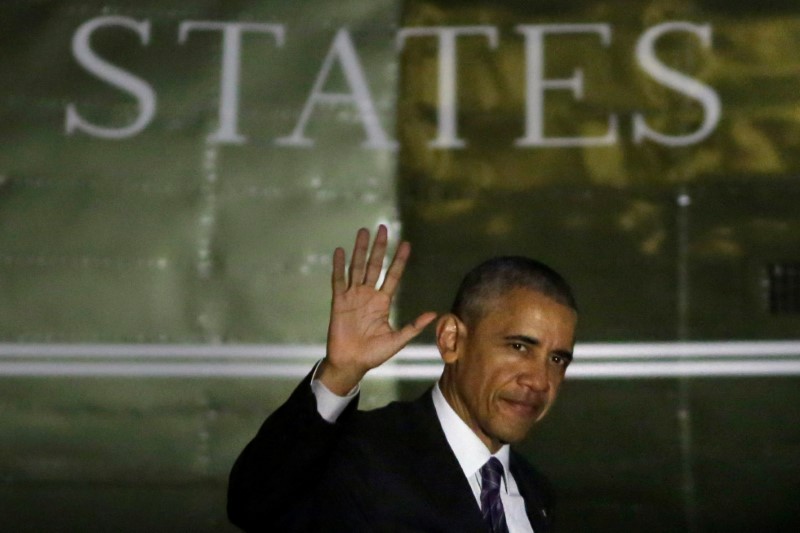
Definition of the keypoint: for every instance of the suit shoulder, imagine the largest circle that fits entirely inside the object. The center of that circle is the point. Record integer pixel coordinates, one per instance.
(394, 415)
(397, 428)
(533, 477)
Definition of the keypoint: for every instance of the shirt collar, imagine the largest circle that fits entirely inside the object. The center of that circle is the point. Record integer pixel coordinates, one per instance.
(470, 452)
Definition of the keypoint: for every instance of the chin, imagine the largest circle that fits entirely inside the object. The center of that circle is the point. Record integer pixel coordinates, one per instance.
(515, 436)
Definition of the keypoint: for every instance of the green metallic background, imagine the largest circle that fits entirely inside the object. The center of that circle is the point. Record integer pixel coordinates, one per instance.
(169, 238)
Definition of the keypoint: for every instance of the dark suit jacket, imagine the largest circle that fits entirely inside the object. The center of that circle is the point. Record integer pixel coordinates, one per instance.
(387, 470)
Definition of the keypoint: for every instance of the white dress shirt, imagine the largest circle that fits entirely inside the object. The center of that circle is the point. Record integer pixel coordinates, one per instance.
(470, 452)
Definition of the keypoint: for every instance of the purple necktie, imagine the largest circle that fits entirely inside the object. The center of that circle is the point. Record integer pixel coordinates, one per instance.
(491, 505)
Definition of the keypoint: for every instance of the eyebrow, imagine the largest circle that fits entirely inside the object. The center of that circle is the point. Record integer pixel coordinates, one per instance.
(533, 341)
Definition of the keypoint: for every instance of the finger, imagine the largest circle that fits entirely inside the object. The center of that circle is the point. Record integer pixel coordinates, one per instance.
(395, 272)
(359, 257)
(413, 329)
(376, 255)
(338, 281)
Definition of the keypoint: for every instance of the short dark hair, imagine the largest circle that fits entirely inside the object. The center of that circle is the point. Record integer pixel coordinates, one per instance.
(499, 275)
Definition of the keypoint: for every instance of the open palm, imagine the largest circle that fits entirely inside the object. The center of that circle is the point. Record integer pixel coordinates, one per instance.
(360, 336)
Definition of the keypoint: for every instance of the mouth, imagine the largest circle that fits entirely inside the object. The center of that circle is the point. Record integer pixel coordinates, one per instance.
(522, 408)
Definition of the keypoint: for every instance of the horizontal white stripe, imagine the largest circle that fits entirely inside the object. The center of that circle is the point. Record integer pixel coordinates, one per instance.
(178, 351)
(583, 351)
(655, 350)
(592, 360)
(661, 369)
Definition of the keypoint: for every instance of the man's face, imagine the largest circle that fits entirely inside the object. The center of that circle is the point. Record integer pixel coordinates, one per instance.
(509, 365)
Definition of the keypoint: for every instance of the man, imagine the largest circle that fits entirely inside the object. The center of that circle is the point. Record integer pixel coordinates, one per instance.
(441, 462)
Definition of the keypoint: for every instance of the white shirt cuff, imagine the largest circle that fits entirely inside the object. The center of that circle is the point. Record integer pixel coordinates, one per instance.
(329, 404)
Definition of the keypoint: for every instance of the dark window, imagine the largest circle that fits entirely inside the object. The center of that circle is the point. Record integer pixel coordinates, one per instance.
(784, 288)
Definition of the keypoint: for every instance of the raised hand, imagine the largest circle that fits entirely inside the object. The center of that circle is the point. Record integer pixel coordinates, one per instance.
(360, 336)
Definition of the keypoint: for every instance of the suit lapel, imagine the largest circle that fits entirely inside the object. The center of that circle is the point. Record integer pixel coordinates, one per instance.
(535, 507)
(441, 477)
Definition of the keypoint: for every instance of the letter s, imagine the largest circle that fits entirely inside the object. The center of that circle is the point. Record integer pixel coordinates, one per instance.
(139, 89)
(678, 81)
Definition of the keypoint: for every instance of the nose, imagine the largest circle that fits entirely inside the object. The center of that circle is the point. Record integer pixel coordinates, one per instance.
(534, 374)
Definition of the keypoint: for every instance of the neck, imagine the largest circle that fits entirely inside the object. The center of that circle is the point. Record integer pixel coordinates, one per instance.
(451, 394)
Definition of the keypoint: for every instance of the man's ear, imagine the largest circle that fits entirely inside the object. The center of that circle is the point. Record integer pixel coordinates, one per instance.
(449, 337)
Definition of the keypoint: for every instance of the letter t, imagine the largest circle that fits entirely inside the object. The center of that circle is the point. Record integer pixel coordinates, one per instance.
(447, 134)
(231, 67)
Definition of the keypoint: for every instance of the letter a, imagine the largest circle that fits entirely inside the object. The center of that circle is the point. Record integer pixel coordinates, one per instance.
(343, 50)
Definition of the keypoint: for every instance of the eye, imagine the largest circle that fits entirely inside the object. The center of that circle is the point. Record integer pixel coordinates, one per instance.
(559, 360)
(518, 347)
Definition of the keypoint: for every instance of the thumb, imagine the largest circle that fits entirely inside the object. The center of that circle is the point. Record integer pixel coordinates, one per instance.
(409, 331)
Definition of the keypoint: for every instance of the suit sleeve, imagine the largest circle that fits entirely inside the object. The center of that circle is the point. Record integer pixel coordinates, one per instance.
(273, 482)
